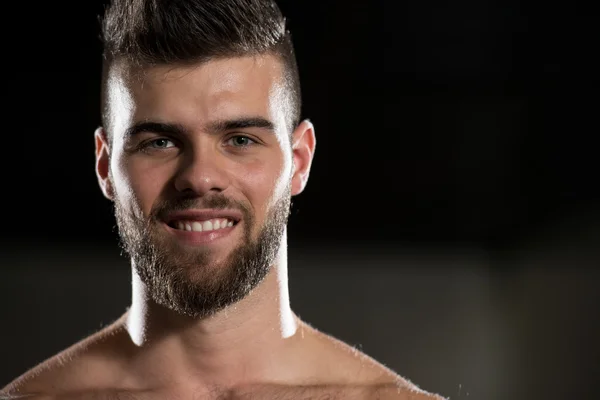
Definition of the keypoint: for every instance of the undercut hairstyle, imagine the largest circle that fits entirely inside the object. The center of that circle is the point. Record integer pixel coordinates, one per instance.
(146, 33)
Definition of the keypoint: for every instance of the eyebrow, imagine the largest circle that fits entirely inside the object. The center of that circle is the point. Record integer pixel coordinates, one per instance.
(240, 123)
(212, 127)
(155, 127)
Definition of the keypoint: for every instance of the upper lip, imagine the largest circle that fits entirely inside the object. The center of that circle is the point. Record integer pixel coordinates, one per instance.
(202, 215)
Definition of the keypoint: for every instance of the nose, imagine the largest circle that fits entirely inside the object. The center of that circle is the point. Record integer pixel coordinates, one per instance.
(201, 172)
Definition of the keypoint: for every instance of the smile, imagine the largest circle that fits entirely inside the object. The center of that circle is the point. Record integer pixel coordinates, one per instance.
(202, 226)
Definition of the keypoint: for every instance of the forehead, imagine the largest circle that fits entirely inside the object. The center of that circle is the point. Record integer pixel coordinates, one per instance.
(192, 95)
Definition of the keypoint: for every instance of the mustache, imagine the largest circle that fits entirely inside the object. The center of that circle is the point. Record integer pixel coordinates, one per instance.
(216, 202)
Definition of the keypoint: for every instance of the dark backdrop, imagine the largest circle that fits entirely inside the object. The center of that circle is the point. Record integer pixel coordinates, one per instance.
(452, 212)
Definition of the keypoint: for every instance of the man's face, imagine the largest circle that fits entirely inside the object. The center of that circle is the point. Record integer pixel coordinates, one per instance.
(201, 170)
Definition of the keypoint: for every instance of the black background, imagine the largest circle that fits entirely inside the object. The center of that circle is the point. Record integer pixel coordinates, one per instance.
(469, 121)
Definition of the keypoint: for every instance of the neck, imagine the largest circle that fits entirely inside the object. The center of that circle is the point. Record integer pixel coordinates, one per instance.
(238, 343)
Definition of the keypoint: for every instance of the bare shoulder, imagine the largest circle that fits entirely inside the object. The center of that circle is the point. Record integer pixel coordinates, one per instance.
(332, 391)
(354, 367)
(402, 392)
(79, 366)
(41, 379)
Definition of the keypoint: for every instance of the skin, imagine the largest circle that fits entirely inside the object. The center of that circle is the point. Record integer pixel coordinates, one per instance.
(256, 348)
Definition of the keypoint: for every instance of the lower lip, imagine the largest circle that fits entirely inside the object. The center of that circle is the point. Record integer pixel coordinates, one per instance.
(199, 238)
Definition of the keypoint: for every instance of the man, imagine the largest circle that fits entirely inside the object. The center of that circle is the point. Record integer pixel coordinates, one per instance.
(201, 149)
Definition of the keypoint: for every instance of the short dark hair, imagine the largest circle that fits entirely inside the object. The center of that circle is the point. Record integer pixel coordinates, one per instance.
(163, 32)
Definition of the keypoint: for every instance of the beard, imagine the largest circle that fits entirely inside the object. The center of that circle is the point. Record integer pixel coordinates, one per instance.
(188, 280)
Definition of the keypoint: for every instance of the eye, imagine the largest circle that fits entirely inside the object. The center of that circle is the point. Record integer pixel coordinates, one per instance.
(240, 141)
(160, 143)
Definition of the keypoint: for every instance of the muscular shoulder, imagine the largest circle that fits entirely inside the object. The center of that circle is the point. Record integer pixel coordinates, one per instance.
(43, 378)
(332, 392)
(402, 392)
(336, 361)
(80, 366)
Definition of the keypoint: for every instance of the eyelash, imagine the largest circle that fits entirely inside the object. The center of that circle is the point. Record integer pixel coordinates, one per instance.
(252, 141)
(148, 144)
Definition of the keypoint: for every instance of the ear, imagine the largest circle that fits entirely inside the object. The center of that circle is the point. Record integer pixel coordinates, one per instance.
(103, 163)
(303, 150)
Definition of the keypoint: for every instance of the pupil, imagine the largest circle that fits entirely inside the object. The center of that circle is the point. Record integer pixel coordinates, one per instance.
(241, 140)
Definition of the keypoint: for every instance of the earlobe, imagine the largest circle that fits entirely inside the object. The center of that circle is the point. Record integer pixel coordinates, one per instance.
(103, 162)
(303, 149)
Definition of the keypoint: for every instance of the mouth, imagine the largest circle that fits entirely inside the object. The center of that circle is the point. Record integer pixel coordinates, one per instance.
(214, 224)
(202, 226)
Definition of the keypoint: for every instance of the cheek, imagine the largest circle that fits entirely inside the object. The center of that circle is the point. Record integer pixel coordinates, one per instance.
(135, 184)
(265, 183)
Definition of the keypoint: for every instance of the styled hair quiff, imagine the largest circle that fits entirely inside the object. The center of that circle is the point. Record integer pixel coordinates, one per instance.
(170, 32)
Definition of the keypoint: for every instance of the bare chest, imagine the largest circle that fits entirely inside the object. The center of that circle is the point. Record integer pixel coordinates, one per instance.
(259, 393)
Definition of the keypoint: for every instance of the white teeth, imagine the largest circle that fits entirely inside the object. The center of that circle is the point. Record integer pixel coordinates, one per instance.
(207, 226)
(197, 226)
